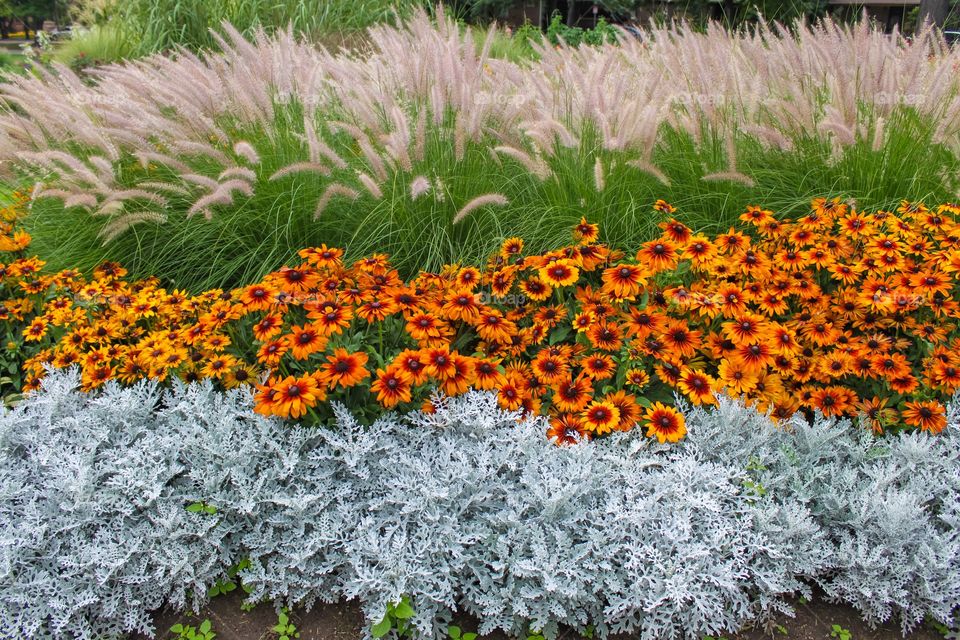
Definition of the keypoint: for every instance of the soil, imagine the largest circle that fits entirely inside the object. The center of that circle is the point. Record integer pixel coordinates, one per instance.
(344, 621)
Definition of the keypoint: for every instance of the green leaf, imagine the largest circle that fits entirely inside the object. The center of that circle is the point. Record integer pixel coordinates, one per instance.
(469, 636)
(454, 632)
(205, 626)
(283, 618)
(559, 334)
(404, 610)
(177, 628)
(196, 507)
(382, 628)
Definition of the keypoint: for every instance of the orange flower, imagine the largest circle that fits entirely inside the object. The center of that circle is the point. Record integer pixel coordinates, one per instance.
(666, 423)
(658, 255)
(598, 367)
(493, 327)
(583, 321)
(511, 248)
(424, 327)
(700, 251)
(627, 405)
(757, 216)
(664, 207)
(754, 356)
(268, 326)
(567, 428)
(745, 328)
(929, 416)
(329, 317)
(343, 369)
(377, 310)
(289, 397)
(600, 417)
(218, 365)
(549, 367)
(487, 374)
(680, 339)
(697, 386)
(258, 297)
(624, 280)
(536, 289)
(270, 353)
(95, 376)
(294, 280)
(585, 232)
(509, 396)
(560, 274)
(322, 256)
(461, 305)
(36, 330)
(833, 401)
(605, 336)
(572, 396)
(637, 378)
(392, 387)
(876, 413)
(305, 341)
(440, 363)
(462, 376)
(737, 378)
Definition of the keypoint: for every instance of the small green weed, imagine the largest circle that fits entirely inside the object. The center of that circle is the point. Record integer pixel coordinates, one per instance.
(202, 507)
(285, 629)
(186, 632)
(838, 632)
(397, 619)
(456, 633)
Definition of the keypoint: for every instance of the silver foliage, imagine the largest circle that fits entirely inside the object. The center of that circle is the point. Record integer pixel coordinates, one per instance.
(464, 509)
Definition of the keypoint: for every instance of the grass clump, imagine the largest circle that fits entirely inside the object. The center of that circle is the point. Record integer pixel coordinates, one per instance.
(280, 144)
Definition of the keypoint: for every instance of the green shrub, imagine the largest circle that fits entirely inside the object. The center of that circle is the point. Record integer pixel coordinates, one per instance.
(159, 25)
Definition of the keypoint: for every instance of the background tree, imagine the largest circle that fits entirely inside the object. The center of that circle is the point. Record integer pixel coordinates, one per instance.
(32, 13)
(572, 10)
(934, 11)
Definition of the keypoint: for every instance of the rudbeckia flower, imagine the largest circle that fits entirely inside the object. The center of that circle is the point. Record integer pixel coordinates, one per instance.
(929, 416)
(600, 417)
(624, 281)
(665, 423)
(343, 369)
(392, 387)
(561, 273)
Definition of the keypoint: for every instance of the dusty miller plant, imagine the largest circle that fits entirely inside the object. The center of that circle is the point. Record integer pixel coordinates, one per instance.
(465, 509)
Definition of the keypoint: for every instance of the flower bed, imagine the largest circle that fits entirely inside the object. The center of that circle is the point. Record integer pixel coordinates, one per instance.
(462, 508)
(842, 312)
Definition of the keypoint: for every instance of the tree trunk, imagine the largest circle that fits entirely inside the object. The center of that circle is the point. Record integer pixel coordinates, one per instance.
(934, 11)
(571, 12)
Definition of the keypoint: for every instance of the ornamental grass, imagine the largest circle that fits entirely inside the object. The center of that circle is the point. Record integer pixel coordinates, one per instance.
(213, 169)
(842, 312)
